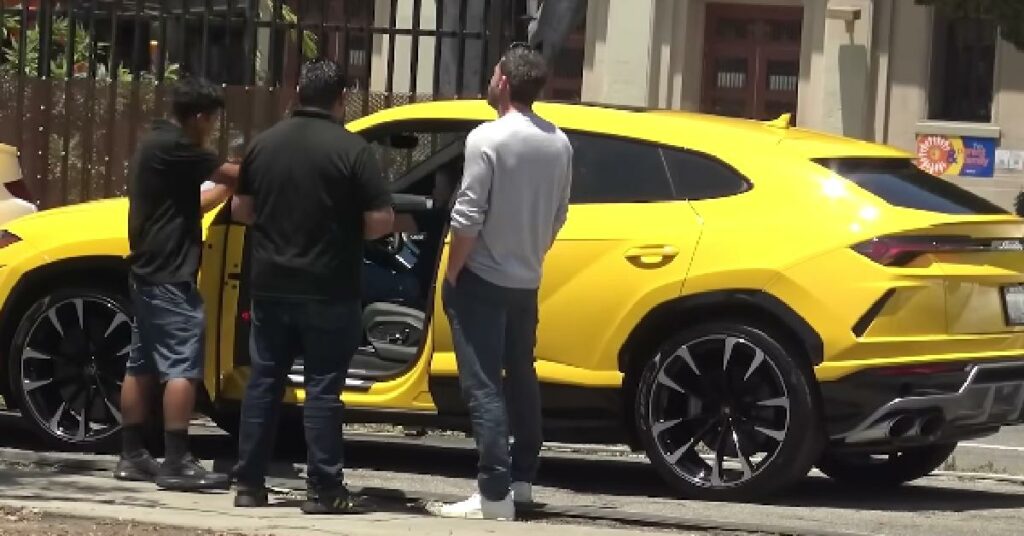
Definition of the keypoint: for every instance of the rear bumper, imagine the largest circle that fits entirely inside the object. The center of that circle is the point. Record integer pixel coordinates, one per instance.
(887, 410)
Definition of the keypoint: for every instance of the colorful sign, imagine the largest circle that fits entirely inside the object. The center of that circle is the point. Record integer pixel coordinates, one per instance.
(965, 157)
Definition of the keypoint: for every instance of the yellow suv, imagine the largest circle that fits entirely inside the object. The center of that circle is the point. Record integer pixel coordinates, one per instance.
(741, 300)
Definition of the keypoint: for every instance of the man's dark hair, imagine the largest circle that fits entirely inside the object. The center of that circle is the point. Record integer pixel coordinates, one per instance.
(320, 84)
(527, 73)
(193, 96)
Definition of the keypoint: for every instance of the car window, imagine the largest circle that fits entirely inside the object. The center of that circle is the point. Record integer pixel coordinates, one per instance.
(900, 183)
(400, 152)
(612, 170)
(695, 176)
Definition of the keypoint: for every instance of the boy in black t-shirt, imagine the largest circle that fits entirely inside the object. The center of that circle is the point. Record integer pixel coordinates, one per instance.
(165, 234)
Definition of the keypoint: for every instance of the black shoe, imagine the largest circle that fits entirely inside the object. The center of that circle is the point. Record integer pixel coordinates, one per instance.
(336, 501)
(188, 475)
(247, 497)
(139, 467)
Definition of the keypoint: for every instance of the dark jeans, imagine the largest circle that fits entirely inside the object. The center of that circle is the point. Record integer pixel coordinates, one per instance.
(494, 329)
(326, 334)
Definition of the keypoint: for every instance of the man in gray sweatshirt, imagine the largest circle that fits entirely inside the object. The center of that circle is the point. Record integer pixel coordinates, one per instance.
(513, 201)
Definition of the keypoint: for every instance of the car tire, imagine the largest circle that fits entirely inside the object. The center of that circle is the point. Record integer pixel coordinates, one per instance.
(885, 471)
(67, 362)
(739, 394)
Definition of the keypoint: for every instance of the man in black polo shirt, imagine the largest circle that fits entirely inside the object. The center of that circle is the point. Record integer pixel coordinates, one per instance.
(313, 193)
(165, 234)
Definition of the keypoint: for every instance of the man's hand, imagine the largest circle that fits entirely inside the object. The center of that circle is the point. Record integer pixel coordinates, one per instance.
(214, 196)
(458, 253)
(378, 223)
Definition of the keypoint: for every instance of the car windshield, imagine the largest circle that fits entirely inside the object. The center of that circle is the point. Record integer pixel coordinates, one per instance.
(900, 183)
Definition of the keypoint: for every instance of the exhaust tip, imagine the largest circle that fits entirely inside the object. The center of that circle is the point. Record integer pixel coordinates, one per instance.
(932, 425)
(902, 426)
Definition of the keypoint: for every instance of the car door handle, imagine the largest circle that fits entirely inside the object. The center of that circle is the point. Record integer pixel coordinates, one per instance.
(234, 276)
(661, 252)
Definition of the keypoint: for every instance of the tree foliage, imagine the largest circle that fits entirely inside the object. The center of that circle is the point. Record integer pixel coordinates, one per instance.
(1008, 14)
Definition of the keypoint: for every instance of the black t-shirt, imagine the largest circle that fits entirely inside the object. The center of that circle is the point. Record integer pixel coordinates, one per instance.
(311, 180)
(164, 217)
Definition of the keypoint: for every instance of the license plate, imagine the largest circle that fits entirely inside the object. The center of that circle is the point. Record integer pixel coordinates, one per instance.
(1013, 303)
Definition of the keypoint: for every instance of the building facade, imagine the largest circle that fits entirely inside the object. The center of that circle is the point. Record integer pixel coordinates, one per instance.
(890, 71)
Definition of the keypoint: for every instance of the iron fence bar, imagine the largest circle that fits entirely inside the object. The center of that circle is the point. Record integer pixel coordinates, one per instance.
(341, 36)
(90, 113)
(414, 67)
(389, 84)
(300, 42)
(460, 69)
(161, 44)
(115, 76)
(134, 103)
(438, 44)
(22, 75)
(69, 74)
(337, 26)
(368, 37)
(485, 64)
(45, 24)
(249, 43)
(276, 70)
(204, 62)
(229, 26)
(322, 44)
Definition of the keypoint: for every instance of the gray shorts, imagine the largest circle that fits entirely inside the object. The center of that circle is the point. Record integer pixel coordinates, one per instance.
(169, 331)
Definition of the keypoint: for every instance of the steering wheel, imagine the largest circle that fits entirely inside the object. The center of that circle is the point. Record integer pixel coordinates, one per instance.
(392, 244)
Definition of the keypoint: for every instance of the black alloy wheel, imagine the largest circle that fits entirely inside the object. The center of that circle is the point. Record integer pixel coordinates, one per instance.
(726, 413)
(67, 365)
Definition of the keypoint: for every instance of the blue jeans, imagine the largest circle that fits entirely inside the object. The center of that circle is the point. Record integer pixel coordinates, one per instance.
(168, 331)
(494, 329)
(326, 334)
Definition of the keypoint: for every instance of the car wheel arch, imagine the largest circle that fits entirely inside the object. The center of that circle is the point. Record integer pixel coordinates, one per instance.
(760, 307)
(104, 271)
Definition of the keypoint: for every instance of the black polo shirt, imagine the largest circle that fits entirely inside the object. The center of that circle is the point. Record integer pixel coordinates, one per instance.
(164, 215)
(311, 180)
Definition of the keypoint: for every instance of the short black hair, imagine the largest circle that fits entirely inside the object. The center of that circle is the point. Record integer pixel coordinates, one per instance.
(320, 84)
(192, 96)
(527, 73)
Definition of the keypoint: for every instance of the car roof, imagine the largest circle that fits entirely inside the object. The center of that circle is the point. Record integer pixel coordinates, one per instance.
(701, 132)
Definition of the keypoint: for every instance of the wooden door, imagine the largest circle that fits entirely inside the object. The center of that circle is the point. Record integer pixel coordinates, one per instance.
(751, 60)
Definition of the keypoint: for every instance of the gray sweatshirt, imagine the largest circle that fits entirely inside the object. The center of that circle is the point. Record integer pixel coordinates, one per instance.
(514, 197)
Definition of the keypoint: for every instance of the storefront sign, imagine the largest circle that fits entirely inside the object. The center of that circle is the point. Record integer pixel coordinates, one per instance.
(965, 157)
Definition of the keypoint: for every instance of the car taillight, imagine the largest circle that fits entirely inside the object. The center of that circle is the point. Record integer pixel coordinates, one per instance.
(902, 250)
(20, 190)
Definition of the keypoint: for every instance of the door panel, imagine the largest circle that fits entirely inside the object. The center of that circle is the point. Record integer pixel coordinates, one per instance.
(625, 248)
(752, 60)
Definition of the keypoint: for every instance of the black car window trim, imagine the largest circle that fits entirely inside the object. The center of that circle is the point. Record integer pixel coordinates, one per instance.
(662, 147)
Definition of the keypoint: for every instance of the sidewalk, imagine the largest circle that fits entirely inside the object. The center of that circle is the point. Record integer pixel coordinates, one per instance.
(98, 496)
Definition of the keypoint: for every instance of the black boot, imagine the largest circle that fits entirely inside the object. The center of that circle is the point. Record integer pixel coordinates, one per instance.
(251, 497)
(188, 475)
(326, 502)
(137, 467)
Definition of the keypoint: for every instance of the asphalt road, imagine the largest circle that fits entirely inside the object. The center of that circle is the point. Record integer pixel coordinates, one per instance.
(610, 479)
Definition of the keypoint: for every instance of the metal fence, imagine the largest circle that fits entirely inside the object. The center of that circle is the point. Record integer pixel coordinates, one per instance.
(81, 79)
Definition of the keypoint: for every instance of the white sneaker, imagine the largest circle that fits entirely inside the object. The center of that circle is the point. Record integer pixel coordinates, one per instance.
(522, 492)
(476, 507)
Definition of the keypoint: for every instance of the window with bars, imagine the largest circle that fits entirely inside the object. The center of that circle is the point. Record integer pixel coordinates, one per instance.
(963, 69)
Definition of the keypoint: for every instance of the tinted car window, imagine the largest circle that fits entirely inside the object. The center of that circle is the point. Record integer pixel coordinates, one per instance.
(611, 170)
(900, 183)
(695, 176)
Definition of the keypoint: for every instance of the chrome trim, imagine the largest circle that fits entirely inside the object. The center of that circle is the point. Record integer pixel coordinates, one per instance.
(975, 403)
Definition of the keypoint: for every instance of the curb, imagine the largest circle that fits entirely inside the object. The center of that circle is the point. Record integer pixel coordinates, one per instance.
(72, 463)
